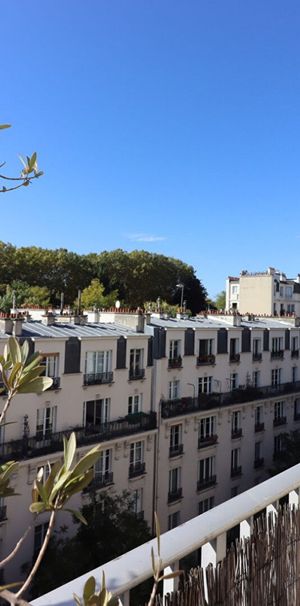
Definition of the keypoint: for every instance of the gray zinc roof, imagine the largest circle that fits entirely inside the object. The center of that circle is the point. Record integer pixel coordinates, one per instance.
(36, 329)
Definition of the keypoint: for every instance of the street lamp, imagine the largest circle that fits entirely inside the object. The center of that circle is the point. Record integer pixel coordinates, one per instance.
(180, 285)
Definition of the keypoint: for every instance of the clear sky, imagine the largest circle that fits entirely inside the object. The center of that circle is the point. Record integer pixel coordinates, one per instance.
(167, 125)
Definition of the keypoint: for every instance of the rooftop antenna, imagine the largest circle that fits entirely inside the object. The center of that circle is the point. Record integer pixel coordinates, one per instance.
(62, 300)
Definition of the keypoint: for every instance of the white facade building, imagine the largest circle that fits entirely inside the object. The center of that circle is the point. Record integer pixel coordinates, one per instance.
(189, 412)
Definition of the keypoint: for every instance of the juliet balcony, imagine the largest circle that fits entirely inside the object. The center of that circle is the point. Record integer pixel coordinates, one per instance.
(277, 355)
(204, 483)
(38, 445)
(175, 362)
(234, 358)
(136, 374)
(98, 378)
(208, 401)
(207, 441)
(101, 480)
(206, 360)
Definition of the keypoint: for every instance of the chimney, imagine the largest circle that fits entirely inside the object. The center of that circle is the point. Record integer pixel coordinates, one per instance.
(17, 326)
(6, 326)
(48, 319)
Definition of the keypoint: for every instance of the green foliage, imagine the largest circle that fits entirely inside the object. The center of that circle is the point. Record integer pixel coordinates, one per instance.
(20, 373)
(93, 598)
(29, 172)
(290, 453)
(37, 295)
(221, 300)
(112, 529)
(93, 296)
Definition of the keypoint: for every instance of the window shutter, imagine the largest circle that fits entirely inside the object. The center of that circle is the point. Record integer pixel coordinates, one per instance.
(246, 340)
(266, 339)
(150, 352)
(287, 338)
(72, 355)
(222, 341)
(189, 342)
(121, 352)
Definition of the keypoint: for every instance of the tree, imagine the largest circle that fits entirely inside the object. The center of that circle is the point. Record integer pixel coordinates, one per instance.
(289, 454)
(112, 529)
(93, 296)
(221, 300)
(37, 295)
(29, 172)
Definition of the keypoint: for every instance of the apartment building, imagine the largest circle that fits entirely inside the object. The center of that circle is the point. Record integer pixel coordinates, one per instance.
(270, 293)
(189, 412)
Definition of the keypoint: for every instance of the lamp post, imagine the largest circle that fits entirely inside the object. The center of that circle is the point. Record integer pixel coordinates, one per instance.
(180, 285)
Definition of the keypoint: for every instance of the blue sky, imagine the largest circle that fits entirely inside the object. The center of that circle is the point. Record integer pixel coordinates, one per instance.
(167, 125)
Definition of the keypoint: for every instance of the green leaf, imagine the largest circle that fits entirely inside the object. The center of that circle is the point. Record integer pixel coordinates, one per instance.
(157, 531)
(51, 478)
(14, 350)
(33, 361)
(60, 484)
(38, 385)
(87, 461)
(32, 374)
(70, 451)
(24, 351)
(77, 515)
(79, 483)
(32, 161)
(37, 507)
(2, 126)
(89, 588)
(13, 375)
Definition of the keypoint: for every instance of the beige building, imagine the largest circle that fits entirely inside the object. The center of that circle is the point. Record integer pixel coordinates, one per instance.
(267, 293)
(188, 411)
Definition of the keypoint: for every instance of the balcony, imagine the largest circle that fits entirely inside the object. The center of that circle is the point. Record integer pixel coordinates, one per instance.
(136, 374)
(259, 462)
(3, 516)
(277, 355)
(137, 469)
(295, 353)
(175, 495)
(184, 540)
(175, 362)
(279, 421)
(98, 378)
(206, 360)
(259, 427)
(236, 433)
(207, 401)
(55, 383)
(256, 357)
(176, 450)
(207, 441)
(101, 480)
(236, 471)
(204, 483)
(38, 445)
(234, 358)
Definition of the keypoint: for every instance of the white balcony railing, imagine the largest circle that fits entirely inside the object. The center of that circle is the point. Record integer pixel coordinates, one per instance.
(207, 531)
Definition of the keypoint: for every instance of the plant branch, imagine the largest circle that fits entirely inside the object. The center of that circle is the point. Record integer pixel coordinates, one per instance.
(40, 555)
(6, 405)
(12, 554)
(153, 593)
(12, 599)
(25, 182)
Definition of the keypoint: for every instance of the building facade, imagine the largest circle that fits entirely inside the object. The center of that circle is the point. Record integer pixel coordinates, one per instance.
(189, 412)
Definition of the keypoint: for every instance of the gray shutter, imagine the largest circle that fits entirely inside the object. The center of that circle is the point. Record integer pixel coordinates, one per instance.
(222, 347)
(266, 339)
(287, 338)
(150, 352)
(121, 352)
(246, 340)
(159, 343)
(189, 342)
(72, 355)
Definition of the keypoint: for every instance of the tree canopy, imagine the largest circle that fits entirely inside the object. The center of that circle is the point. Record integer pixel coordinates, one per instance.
(137, 276)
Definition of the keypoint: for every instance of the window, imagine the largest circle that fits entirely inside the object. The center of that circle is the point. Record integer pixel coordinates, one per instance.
(103, 466)
(97, 412)
(277, 344)
(206, 505)
(258, 415)
(295, 344)
(233, 381)
(256, 378)
(173, 520)
(235, 460)
(276, 377)
(279, 446)
(98, 362)
(278, 411)
(256, 347)
(234, 347)
(236, 422)
(174, 480)
(174, 351)
(205, 384)
(257, 451)
(136, 453)
(136, 361)
(294, 374)
(135, 403)
(45, 422)
(174, 389)
(297, 409)
(39, 535)
(176, 440)
(234, 289)
(137, 501)
(207, 428)
(51, 363)
(206, 470)
(206, 347)
(288, 291)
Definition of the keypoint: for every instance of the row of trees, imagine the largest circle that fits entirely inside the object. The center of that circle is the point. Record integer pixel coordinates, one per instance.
(135, 277)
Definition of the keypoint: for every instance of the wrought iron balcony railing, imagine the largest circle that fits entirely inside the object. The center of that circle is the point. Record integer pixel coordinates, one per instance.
(101, 480)
(174, 495)
(257, 357)
(206, 359)
(277, 355)
(279, 421)
(176, 450)
(207, 441)
(137, 469)
(295, 353)
(39, 444)
(98, 378)
(136, 373)
(175, 362)
(234, 357)
(236, 471)
(206, 482)
(236, 433)
(207, 401)
(259, 427)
